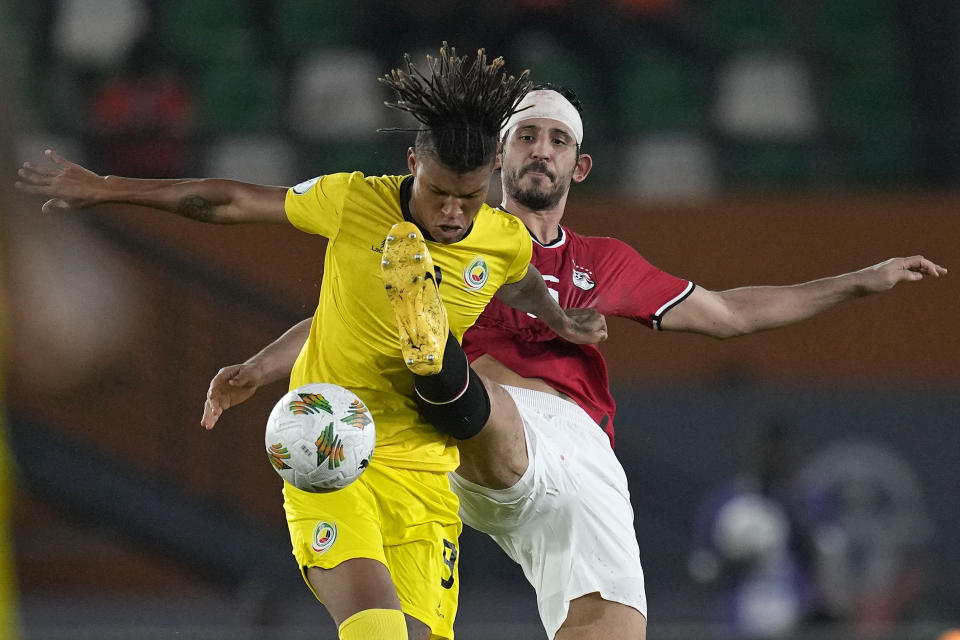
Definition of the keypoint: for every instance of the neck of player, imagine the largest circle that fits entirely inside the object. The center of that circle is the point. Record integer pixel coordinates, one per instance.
(544, 224)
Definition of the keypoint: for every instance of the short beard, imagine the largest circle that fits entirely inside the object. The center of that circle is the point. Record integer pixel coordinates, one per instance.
(533, 199)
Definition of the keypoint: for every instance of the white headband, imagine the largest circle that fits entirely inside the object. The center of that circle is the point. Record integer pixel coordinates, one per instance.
(546, 103)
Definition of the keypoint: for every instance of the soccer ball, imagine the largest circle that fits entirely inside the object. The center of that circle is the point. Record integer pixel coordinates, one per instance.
(320, 437)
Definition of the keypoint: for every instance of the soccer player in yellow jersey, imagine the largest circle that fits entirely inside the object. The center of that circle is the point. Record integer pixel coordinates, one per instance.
(386, 545)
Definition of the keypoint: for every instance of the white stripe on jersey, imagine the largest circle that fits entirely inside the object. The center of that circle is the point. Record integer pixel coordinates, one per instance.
(666, 307)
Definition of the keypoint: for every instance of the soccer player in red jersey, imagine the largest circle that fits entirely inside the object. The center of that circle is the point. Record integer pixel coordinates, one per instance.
(541, 477)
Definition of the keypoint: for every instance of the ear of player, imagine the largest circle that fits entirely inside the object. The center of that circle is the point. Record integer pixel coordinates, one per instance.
(411, 287)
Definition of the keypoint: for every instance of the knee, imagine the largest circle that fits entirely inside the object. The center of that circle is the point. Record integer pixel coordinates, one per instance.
(353, 586)
(463, 417)
(591, 616)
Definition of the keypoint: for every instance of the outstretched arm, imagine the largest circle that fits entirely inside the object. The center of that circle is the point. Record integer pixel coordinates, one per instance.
(70, 186)
(236, 383)
(530, 294)
(735, 312)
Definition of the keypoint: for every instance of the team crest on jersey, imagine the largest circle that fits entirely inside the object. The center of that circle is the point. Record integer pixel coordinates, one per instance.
(324, 535)
(304, 186)
(583, 278)
(475, 274)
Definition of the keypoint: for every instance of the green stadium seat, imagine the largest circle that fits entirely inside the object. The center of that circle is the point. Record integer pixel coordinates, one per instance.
(21, 70)
(864, 29)
(550, 61)
(871, 116)
(300, 26)
(866, 97)
(206, 33)
(381, 155)
(851, 13)
(736, 25)
(235, 98)
(660, 90)
(783, 165)
(21, 19)
(889, 155)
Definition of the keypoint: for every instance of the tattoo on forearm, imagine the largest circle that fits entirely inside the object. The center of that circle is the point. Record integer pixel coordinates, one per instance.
(195, 208)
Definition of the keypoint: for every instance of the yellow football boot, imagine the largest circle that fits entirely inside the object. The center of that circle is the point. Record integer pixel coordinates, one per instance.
(408, 277)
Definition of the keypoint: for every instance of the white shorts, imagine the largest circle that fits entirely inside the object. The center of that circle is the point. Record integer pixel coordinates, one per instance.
(568, 522)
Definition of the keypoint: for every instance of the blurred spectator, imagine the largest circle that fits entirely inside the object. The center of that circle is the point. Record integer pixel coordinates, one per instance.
(748, 538)
(839, 538)
(141, 118)
(863, 505)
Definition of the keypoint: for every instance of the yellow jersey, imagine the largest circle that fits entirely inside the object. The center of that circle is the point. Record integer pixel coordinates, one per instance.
(354, 341)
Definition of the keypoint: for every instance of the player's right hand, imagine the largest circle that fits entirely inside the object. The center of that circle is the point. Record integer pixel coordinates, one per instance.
(586, 326)
(887, 274)
(67, 184)
(231, 386)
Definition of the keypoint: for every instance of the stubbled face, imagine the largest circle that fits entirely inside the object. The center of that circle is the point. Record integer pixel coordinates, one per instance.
(538, 161)
(443, 202)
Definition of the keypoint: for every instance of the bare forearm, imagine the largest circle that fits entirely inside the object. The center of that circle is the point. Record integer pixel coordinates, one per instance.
(763, 308)
(70, 186)
(531, 295)
(204, 200)
(276, 360)
(580, 326)
(735, 312)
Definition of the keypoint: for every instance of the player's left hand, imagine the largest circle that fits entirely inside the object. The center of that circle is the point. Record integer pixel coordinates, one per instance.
(231, 386)
(584, 326)
(887, 274)
(67, 184)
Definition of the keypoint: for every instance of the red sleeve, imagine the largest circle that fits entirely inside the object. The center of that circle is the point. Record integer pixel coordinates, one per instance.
(634, 288)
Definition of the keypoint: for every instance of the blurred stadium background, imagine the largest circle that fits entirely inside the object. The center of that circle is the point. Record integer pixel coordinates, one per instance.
(735, 142)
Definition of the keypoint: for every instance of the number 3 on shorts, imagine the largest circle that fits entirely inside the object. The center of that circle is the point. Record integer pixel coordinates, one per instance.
(449, 559)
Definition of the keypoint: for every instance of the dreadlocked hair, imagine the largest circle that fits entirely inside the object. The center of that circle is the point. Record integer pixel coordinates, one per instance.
(461, 105)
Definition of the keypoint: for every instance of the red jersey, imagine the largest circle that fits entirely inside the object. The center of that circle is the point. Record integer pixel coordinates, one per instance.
(581, 272)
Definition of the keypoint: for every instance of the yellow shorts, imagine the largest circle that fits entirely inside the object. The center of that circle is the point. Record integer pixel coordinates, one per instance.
(404, 518)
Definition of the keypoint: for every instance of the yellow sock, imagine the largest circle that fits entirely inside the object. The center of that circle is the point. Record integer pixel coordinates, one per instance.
(375, 624)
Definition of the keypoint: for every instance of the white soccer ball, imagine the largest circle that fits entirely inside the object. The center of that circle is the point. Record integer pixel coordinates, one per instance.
(320, 437)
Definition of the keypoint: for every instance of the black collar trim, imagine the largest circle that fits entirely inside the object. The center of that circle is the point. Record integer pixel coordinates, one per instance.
(559, 241)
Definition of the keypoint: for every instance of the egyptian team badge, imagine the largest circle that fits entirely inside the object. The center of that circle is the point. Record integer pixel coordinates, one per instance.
(324, 536)
(475, 274)
(583, 278)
